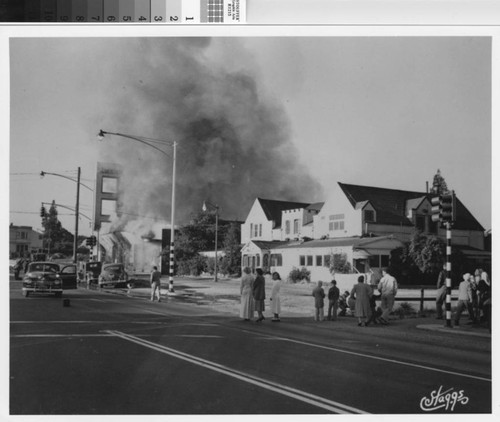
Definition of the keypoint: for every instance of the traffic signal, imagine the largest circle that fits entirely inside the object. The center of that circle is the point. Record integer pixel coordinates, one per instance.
(91, 241)
(436, 208)
(42, 211)
(448, 207)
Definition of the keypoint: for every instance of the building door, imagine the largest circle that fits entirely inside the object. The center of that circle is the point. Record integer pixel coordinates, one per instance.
(253, 264)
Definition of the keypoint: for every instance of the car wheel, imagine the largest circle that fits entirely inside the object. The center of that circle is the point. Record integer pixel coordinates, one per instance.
(58, 294)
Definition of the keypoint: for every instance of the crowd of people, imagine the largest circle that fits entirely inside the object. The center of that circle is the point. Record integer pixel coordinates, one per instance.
(361, 301)
(253, 294)
(474, 295)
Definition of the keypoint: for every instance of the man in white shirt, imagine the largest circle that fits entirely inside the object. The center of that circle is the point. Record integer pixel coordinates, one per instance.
(388, 288)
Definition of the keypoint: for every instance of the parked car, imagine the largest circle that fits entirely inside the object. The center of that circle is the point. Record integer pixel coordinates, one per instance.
(49, 277)
(113, 274)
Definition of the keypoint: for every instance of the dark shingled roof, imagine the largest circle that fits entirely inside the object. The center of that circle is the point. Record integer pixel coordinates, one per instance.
(273, 208)
(390, 205)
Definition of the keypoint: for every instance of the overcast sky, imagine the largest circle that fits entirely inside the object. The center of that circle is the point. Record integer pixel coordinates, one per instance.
(307, 112)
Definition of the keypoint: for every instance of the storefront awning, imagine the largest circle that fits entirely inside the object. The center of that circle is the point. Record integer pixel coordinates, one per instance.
(360, 254)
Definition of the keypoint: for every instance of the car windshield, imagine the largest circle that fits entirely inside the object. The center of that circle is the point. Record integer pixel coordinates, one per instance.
(48, 268)
(115, 269)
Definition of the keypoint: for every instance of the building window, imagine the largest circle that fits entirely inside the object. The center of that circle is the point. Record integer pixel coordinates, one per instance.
(326, 260)
(379, 261)
(336, 222)
(309, 260)
(256, 232)
(420, 222)
(433, 225)
(276, 260)
(295, 226)
(369, 216)
(319, 261)
(265, 260)
(287, 227)
(302, 260)
(260, 230)
(384, 260)
(251, 230)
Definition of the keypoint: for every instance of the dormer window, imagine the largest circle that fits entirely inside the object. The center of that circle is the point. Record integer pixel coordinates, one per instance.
(369, 216)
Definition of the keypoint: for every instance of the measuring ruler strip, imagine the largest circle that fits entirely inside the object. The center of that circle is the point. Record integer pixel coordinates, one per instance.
(124, 11)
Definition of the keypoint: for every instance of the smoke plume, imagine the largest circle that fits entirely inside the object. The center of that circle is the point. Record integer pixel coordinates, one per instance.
(233, 141)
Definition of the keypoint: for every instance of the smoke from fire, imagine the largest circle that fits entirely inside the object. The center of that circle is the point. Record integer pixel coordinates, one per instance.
(234, 143)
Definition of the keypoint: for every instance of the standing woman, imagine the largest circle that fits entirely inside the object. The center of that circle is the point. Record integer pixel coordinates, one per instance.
(259, 293)
(275, 297)
(246, 308)
(362, 292)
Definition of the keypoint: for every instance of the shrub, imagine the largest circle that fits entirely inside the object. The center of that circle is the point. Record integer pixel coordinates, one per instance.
(405, 309)
(340, 264)
(297, 275)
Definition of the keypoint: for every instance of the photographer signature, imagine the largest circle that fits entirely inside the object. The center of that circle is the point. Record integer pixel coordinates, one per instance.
(443, 399)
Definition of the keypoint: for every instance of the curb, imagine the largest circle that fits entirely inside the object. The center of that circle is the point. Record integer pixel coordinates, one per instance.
(453, 330)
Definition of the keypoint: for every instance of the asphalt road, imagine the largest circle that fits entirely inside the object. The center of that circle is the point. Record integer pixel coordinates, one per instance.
(112, 354)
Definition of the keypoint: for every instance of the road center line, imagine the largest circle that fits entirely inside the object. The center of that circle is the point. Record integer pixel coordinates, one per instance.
(303, 396)
(398, 362)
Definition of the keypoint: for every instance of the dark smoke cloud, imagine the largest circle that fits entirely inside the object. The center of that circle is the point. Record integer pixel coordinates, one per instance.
(234, 144)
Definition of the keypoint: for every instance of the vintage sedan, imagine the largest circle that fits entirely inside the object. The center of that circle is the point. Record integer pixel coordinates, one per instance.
(112, 275)
(49, 277)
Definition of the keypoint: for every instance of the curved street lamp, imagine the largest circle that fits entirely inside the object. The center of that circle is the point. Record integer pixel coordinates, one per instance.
(150, 142)
(78, 183)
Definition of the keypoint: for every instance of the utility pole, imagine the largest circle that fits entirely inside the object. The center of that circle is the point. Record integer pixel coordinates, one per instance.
(75, 241)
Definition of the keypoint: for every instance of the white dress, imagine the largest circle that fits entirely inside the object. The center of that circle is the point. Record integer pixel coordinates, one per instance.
(246, 306)
(275, 297)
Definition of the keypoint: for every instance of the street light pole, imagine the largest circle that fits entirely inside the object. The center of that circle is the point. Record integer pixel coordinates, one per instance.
(216, 207)
(150, 142)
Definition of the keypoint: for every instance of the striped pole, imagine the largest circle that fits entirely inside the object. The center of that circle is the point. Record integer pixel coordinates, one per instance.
(172, 224)
(448, 274)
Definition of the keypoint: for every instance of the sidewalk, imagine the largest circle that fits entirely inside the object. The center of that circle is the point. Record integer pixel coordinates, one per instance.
(296, 302)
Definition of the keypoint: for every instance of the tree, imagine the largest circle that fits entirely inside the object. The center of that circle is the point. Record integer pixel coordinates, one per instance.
(56, 238)
(438, 184)
(231, 262)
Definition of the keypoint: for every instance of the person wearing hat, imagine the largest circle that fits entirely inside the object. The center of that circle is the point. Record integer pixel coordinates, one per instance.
(319, 303)
(464, 297)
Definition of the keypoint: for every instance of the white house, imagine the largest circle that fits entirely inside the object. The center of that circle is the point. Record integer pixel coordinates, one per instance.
(361, 224)
(264, 221)
(354, 210)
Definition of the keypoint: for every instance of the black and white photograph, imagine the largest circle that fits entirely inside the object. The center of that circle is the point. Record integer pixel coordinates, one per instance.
(258, 221)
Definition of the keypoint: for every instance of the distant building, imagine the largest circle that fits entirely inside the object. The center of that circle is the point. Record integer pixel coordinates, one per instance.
(23, 240)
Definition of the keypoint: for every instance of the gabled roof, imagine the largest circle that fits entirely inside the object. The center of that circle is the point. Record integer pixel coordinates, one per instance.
(273, 208)
(271, 244)
(390, 205)
(415, 203)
